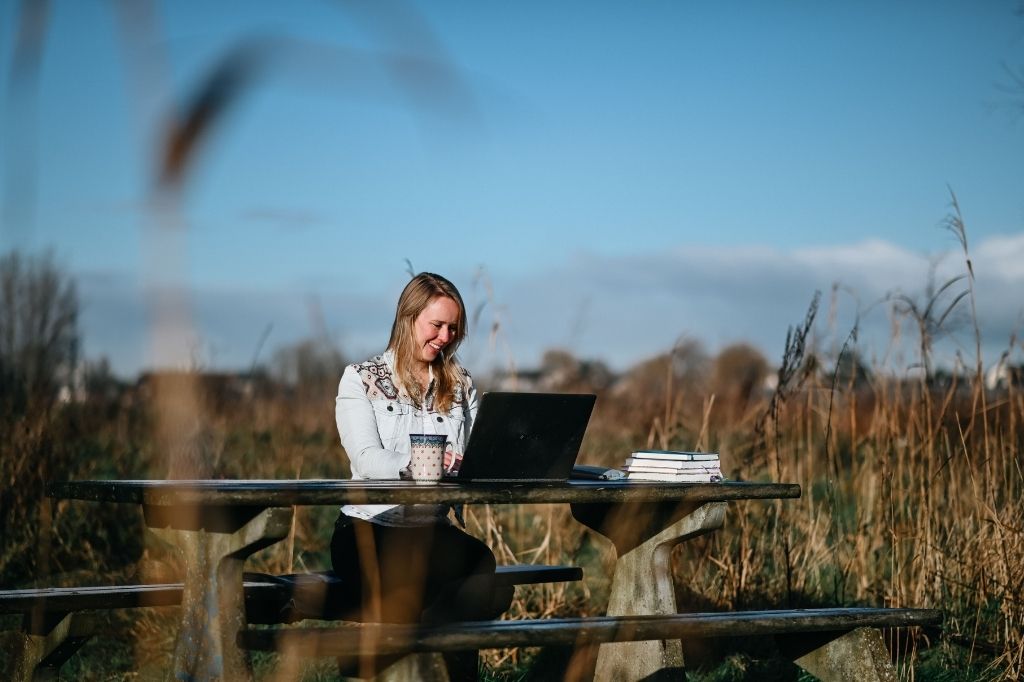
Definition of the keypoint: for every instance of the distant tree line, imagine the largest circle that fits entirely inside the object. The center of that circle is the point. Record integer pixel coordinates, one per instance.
(40, 358)
(39, 336)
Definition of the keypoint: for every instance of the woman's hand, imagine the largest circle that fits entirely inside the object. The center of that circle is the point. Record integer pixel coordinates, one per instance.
(452, 460)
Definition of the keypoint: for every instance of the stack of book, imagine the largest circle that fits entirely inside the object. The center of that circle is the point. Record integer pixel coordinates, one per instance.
(673, 465)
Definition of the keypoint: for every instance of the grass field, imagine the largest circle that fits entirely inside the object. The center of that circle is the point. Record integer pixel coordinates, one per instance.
(912, 496)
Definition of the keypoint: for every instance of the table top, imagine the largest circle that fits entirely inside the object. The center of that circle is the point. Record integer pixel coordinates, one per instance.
(283, 493)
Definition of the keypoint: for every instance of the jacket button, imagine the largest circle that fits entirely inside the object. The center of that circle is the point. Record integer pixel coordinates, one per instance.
(439, 420)
(391, 408)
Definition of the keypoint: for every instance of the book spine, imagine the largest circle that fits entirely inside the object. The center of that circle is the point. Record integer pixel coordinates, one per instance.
(670, 464)
(675, 478)
(676, 456)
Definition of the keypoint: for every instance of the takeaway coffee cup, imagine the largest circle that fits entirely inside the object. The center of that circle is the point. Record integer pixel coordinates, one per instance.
(427, 460)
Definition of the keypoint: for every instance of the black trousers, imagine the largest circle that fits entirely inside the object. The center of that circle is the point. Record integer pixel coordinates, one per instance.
(416, 574)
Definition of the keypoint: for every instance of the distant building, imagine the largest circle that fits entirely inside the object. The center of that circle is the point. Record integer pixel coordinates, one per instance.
(1004, 375)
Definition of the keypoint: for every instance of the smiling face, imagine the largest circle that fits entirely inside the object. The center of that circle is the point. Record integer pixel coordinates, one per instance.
(435, 327)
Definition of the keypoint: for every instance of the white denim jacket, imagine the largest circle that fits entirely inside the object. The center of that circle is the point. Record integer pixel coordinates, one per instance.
(375, 417)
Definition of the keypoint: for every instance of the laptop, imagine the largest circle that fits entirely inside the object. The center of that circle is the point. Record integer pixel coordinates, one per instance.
(526, 437)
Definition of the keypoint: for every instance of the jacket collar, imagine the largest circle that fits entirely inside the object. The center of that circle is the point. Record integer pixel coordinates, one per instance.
(388, 358)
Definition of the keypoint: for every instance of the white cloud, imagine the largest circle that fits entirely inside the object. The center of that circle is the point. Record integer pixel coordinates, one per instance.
(640, 305)
(620, 309)
(1003, 257)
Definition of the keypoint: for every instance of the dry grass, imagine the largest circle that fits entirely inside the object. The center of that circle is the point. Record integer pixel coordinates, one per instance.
(912, 496)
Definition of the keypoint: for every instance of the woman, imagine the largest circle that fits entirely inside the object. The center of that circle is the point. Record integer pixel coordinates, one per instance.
(409, 563)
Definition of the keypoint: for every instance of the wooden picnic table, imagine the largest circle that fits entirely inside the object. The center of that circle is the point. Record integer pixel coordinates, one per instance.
(217, 524)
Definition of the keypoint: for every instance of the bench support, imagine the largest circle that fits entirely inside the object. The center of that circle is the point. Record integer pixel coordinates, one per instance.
(39, 649)
(643, 584)
(215, 548)
(856, 655)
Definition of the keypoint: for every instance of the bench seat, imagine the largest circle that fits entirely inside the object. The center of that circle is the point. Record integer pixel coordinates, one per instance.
(468, 636)
(258, 587)
(52, 629)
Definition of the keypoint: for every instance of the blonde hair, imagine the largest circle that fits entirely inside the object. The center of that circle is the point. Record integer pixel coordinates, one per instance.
(448, 375)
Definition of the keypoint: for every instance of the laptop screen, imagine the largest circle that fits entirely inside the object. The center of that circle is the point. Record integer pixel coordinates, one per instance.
(526, 436)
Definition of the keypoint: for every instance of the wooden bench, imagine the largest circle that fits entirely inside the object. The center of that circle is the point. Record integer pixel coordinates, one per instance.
(54, 626)
(218, 523)
(832, 644)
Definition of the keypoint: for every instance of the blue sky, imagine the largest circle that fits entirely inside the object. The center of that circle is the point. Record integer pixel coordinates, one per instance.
(624, 173)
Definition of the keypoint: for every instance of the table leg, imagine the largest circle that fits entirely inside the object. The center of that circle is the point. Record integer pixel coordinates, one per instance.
(213, 602)
(642, 583)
